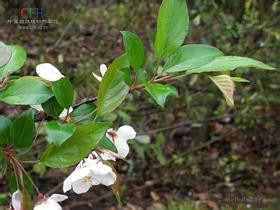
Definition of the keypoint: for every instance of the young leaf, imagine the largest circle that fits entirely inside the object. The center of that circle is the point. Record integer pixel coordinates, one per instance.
(229, 63)
(106, 143)
(23, 130)
(134, 49)
(58, 133)
(160, 92)
(191, 56)
(226, 86)
(63, 92)
(16, 60)
(52, 107)
(172, 27)
(5, 53)
(5, 124)
(26, 91)
(239, 79)
(113, 89)
(76, 147)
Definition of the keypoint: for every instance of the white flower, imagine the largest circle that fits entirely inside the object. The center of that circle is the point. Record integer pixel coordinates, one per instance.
(17, 200)
(87, 174)
(48, 72)
(103, 69)
(120, 138)
(51, 203)
(63, 114)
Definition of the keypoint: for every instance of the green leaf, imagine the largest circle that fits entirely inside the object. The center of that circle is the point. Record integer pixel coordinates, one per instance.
(106, 143)
(172, 27)
(23, 130)
(59, 133)
(191, 56)
(134, 49)
(76, 148)
(84, 113)
(226, 85)
(160, 92)
(26, 91)
(239, 79)
(112, 89)
(52, 107)
(126, 75)
(63, 92)
(5, 53)
(16, 60)
(5, 124)
(229, 63)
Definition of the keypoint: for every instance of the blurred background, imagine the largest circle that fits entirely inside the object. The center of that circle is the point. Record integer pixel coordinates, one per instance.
(197, 153)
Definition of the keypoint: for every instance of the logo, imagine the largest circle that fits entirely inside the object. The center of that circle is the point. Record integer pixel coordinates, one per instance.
(31, 13)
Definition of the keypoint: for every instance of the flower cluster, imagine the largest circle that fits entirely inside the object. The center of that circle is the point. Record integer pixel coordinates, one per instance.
(91, 171)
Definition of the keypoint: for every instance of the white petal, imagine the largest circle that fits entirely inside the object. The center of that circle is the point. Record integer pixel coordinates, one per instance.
(75, 176)
(17, 200)
(107, 179)
(100, 169)
(48, 72)
(97, 77)
(103, 69)
(67, 184)
(64, 112)
(58, 197)
(126, 132)
(122, 146)
(37, 107)
(81, 186)
(49, 204)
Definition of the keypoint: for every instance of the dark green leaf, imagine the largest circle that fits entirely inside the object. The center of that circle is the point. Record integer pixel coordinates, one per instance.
(26, 91)
(63, 92)
(191, 56)
(229, 63)
(52, 107)
(160, 92)
(107, 144)
(112, 89)
(172, 27)
(5, 53)
(5, 124)
(134, 49)
(22, 131)
(84, 113)
(16, 60)
(59, 133)
(76, 148)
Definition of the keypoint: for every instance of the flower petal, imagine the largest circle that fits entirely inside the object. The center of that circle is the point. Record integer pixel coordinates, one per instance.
(81, 186)
(47, 205)
(100, 169)
(75, 176)
(122, 146)
(97, 77)
(17, 200)
(64, 112)
(107, 179)
(58, 197)
(126, 132)
(103, 69)
(37, 107)
(48, 72)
